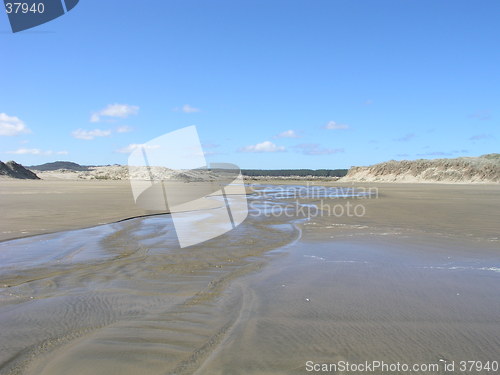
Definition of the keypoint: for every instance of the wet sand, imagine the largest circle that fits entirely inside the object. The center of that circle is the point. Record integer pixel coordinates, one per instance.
(447, 209)
(414, 280)
(365, 300)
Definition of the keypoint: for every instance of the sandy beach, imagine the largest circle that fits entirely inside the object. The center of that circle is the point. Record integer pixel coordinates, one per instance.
(412, 280)
(36, 207)
(32, 207)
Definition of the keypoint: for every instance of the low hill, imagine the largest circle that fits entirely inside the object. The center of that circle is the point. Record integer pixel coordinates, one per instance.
(54, 166)
(482, 169)
(14, 170)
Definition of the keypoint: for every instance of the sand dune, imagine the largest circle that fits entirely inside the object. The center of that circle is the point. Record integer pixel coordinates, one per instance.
(483, 169)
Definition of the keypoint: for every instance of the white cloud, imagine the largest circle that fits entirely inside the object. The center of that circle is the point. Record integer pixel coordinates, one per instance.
(90, 134)
(124, 129)
(288, 134)
(265, 146)
(316, 149)
(12, 125)
(186, 108)
(134, 146)
(95, 117)
(116, 111)
(332, 125)
(36, 151)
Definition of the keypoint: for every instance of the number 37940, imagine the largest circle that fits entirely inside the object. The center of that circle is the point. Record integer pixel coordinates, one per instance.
(24, 8)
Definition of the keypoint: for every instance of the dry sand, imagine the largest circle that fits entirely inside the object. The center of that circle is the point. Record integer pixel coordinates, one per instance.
(31, 207)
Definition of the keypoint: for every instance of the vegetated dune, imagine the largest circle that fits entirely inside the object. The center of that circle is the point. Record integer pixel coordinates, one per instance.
(482, 169)
(11, 169)
(64, 170)
(73, 171)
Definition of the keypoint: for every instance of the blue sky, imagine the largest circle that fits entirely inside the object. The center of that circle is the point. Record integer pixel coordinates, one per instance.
(269, 84)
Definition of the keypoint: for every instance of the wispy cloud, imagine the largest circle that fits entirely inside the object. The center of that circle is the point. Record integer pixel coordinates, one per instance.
(316, 149)
(210, 145)
(124, 129)
(288, 134)
(209, 149)
(481, 115)
(12, 125)
(186, 108)
(481, 137)
(402, 155)
(134, 146)
(441, 153)
(265, 146)
(90, 134)
(405, 138)
(332, 125)
(115, 111)
(368, 102)
(436, 153)
(36, 151)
